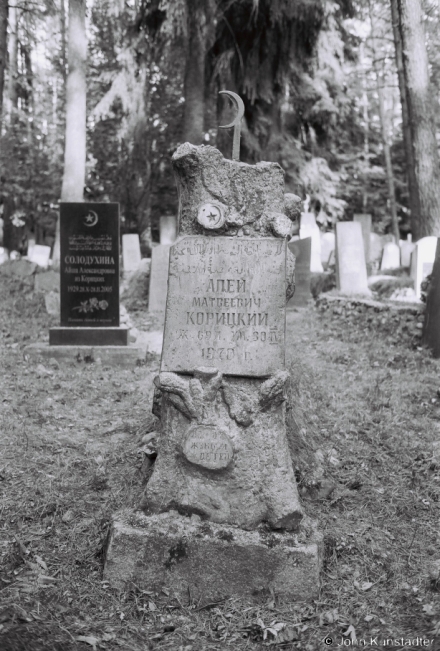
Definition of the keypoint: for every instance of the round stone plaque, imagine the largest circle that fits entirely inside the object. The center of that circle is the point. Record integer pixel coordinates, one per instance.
(211, 215)
(207, 446)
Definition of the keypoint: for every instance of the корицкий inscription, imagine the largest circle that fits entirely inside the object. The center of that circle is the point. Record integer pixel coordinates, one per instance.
(226, 306)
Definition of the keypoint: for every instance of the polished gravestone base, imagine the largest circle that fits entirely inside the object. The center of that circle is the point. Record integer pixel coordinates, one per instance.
(186, 555)
(88, 336)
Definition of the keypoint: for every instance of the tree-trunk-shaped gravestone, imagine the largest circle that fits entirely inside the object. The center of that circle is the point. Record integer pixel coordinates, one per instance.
(221, 510)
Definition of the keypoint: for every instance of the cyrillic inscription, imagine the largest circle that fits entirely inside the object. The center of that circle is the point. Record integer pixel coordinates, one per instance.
(207, 446)
(226, 306)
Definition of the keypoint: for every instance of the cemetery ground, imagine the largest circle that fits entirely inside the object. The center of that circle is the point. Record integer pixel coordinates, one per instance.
(368, 419)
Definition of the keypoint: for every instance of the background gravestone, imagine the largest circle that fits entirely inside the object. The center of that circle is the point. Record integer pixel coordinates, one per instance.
(327, 248)
(406, 249)
(157, 299)
(351, 271)
(131, 252)
(364, 220)
(422, 261)
(89, 276)
(223, 453)
(390, 256)
(309, 228)
(431, 326)
(167, 229)
(40, 254)
(301, 249)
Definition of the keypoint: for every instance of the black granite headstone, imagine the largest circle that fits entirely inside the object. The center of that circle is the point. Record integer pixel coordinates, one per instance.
(302, 250)
(89, 270)
(431, 326)
(89, 264)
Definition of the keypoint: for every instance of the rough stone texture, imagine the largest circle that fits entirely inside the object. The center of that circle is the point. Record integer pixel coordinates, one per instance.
(226, 305)
(209, 561)
(351, 269)
(258, 483)
(52, 303)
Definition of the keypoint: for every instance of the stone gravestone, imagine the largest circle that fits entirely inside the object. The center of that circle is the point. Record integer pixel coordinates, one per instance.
(131, 252)
(160, 257)
(89, 275)
(406, 249)
(351, 271)
(364, 220)
(390, 256)
(376, 249)
(422, 261)
(301, 249)
(167, 229)
(327, 248)
(223, 453)
(309, 228)
(40, 255)
(431, 326)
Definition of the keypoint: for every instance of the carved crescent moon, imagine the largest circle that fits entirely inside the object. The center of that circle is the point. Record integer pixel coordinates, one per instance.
(95, 218)
(239, 106)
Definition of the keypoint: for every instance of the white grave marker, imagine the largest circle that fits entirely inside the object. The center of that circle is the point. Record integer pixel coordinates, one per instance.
(131, 252)
(309, 228)
(327, 248)
(160, 257)
(406, 248)
(422, 261)
(351, 269)
(168, 229)
(40, 255)
(390, 256)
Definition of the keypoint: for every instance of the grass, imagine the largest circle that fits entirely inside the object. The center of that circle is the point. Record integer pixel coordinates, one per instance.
(366, 415)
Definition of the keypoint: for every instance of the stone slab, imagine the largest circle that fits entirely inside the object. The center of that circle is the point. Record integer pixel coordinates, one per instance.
(115, 356)
(301, 249)
(209, 561)
(88, 336)
(351, 270)
(40, 254)
(49, 281)
(160, 257)
(226, 306)
(327, 248)
(131, 252)
(89, 264)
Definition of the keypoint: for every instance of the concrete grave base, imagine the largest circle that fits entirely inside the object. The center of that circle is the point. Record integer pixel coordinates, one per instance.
(209, 561)
(117, 356)
(62, 336)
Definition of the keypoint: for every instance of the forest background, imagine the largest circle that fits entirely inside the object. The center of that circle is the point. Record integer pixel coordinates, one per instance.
(318, 79)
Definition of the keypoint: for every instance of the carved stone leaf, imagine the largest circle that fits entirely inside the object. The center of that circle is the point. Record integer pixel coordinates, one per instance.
(272, 390)
(174, 384)
(241, 405)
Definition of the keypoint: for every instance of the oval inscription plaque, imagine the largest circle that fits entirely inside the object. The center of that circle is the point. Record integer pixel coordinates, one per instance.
(207, 446)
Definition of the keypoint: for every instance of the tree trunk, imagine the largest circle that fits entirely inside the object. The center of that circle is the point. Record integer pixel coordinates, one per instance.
(385, 139)
(194, 82)
(75, 140)
(4, 6)
(63, 39)
(13, 60)
(74, 173)
(413, 191)
(421, 115)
